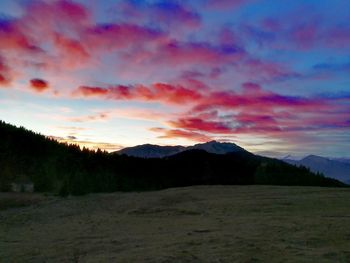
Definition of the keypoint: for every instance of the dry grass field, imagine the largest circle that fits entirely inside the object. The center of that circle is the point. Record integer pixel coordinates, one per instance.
(192, 224)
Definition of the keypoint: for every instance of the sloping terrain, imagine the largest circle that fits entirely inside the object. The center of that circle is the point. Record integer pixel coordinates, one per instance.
(192, 224)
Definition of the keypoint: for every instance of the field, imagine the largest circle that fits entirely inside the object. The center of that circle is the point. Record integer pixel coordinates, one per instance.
(192, 224)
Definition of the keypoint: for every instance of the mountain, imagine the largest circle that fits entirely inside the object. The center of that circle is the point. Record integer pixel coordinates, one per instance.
(156, 151)
(151, 151)
(67, 169)
(332, 168)
(217, 147)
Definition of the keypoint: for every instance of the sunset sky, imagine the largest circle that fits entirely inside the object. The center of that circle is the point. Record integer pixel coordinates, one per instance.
(272, 76)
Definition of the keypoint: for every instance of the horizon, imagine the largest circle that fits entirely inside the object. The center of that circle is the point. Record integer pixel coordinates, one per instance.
(268, 76)
(96, 148)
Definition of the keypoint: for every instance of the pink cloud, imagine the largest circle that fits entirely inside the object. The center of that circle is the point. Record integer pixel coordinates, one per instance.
(202, 125)
(3, 80)
(13, 38)
(178, 133)
(73, 41)
(91, 91)
(39, 85)
(5, 74)
(159, 92)
(56, 14)
(64, 35)
(71, 50)
(73, 11)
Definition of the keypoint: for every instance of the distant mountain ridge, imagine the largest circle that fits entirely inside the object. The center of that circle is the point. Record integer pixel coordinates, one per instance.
(151, 151)
(157, 151)
(333, 168)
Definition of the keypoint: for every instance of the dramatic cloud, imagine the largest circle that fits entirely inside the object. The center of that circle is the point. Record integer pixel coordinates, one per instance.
(199, 69)
(159, 92)
(251, 111)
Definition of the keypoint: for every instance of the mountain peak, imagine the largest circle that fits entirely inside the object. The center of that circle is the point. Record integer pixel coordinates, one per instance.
(217, 147)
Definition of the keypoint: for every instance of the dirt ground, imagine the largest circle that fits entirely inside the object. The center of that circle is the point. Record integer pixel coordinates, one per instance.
(192, 224)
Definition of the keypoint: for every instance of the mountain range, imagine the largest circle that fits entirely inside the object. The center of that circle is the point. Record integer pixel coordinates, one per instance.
(27, 157)
(337, 168)
(334, 168)
(156, 151)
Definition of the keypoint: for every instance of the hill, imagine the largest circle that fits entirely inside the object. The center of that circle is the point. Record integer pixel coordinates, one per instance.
(67, 169)
(333, 168)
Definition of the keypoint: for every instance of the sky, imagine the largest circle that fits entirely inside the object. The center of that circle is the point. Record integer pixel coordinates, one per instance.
(271, 76)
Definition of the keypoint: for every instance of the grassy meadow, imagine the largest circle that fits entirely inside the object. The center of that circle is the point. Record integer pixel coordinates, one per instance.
(191, 224)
